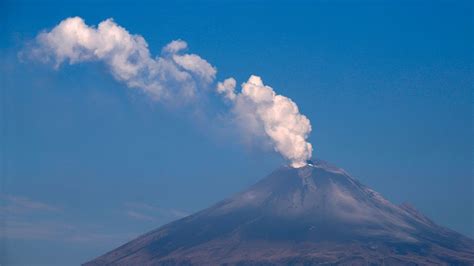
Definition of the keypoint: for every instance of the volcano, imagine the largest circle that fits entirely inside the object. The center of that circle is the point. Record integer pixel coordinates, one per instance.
(316, 214)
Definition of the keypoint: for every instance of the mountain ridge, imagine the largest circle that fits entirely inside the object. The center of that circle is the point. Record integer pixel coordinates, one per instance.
(309, 215)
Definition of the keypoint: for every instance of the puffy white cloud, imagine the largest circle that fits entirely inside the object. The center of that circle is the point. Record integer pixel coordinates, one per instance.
(176, 74)
(227, 88)
(175, 46)
(127, 56)
(260, 111)
(195, 64)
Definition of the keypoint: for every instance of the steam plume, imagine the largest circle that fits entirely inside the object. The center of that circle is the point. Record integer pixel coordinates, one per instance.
(259, 108)
(176, 74)
(127, 56)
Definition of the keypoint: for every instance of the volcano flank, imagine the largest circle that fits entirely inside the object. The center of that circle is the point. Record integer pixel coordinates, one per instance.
(316, 214)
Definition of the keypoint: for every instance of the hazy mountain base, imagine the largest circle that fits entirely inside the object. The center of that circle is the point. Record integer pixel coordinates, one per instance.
(317, 214)
(221, 252)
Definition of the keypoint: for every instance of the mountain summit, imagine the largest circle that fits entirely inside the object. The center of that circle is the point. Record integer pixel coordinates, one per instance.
(316, 214)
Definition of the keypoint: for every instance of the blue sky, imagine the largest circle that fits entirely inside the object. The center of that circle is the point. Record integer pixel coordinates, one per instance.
(87, 163)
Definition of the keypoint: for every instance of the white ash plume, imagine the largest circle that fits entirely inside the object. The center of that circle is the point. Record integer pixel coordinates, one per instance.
(174, 74)
(259, 109)
(177, 75)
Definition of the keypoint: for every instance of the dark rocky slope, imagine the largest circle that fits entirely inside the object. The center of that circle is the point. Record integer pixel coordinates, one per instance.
(316, 214)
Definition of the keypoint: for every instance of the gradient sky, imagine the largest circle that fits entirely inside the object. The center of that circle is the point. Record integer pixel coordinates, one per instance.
(88, 164)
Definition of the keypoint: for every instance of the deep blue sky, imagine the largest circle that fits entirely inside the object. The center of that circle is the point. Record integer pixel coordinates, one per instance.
(87, 164)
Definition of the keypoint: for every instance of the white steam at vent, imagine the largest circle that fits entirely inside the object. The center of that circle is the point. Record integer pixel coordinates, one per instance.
(259, 108)
(177, 75)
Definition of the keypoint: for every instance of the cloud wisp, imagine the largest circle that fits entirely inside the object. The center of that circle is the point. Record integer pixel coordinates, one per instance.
(175, 74)
(11, 205)
(24, 218)
(151, 213)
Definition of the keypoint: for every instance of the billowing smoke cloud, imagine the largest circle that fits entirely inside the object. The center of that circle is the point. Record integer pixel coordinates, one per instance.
(176, 74)
(173, 74)
(259, 109)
